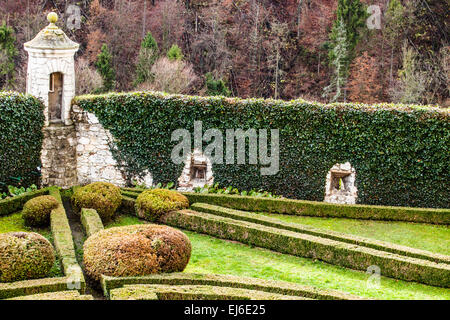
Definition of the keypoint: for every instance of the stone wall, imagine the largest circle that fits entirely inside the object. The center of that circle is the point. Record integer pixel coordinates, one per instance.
(94, 160)
(185, 181)
(58, 157)
(340, 184)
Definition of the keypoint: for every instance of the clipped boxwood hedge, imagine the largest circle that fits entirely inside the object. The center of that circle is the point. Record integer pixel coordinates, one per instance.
(400, 153)
(194, 292)
(91, 221)
(21, 122)
(308, 208)
(335, 252)
(220, 280)
(14, 204)
(329, 234)
(323, 209)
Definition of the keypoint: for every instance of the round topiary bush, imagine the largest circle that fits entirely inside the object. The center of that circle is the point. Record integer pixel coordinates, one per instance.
(24, 255)
(101, 196)
(136, 250)
(151, 204)
(36, 212)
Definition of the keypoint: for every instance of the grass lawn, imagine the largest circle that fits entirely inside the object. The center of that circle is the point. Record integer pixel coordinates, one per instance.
(212, 255)
(14, 223)
(429, 237)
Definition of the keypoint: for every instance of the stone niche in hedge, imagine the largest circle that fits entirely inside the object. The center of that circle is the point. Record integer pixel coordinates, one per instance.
(197, 172)
(340, 184)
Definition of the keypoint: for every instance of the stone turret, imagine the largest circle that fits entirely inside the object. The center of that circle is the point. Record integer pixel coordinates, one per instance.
(51, 77)
(51, 71)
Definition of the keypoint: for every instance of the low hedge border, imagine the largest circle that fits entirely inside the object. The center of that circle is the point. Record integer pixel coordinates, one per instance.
(218, 280)
(323, 209)
(194, 292)
(314, 208)
(128, 205)
(63, 242)
(61, 295)
(29, 287)
(338, 236)
(14, 204)
(91, 221)
(62, 237)
(331, 251)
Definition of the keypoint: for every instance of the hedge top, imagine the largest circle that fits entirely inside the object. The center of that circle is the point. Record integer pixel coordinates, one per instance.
(429, 109)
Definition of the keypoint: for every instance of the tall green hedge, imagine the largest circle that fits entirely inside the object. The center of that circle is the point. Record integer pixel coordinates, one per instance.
(400, 153)
(21, 122)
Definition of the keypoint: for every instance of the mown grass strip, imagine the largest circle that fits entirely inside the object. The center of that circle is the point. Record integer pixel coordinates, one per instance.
(175, 279)
(276, 223)
(91, 221)
(331, 251)
(194, 292)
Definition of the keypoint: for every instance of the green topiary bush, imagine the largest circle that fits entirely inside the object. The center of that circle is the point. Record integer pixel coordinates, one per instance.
(36, 212)
(24, 255)
(101, 196)
(153, 203)
(136, 251)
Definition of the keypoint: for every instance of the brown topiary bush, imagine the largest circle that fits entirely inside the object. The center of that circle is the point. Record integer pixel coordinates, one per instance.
(24, 255)
(151, 204)
(36, 212)
(136, 250)
(101, 196)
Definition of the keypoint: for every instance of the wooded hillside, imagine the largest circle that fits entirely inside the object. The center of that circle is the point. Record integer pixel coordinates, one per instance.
(325, 50)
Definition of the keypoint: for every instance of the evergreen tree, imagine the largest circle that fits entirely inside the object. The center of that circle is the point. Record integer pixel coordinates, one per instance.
(175, 53)
(351, 17)
(353, 14)
(7, 54)
(340, 63)
(147, 56)
(105, 68)
(216, 87)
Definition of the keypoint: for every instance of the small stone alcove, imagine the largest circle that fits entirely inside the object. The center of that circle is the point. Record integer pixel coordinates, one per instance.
(340, 184)
(55, 97)
(197, 172)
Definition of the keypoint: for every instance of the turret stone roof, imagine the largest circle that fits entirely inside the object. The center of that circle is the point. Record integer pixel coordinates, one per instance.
(51, 37)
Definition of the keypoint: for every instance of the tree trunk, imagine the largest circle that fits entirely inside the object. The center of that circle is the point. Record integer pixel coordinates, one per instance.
(299, 13)
(144, 18)
(392, 62)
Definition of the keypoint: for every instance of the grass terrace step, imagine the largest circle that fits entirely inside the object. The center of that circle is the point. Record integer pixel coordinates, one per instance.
(338, 236)
(270, 286)
(61, 295)
(193, 292)
(309, 246)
